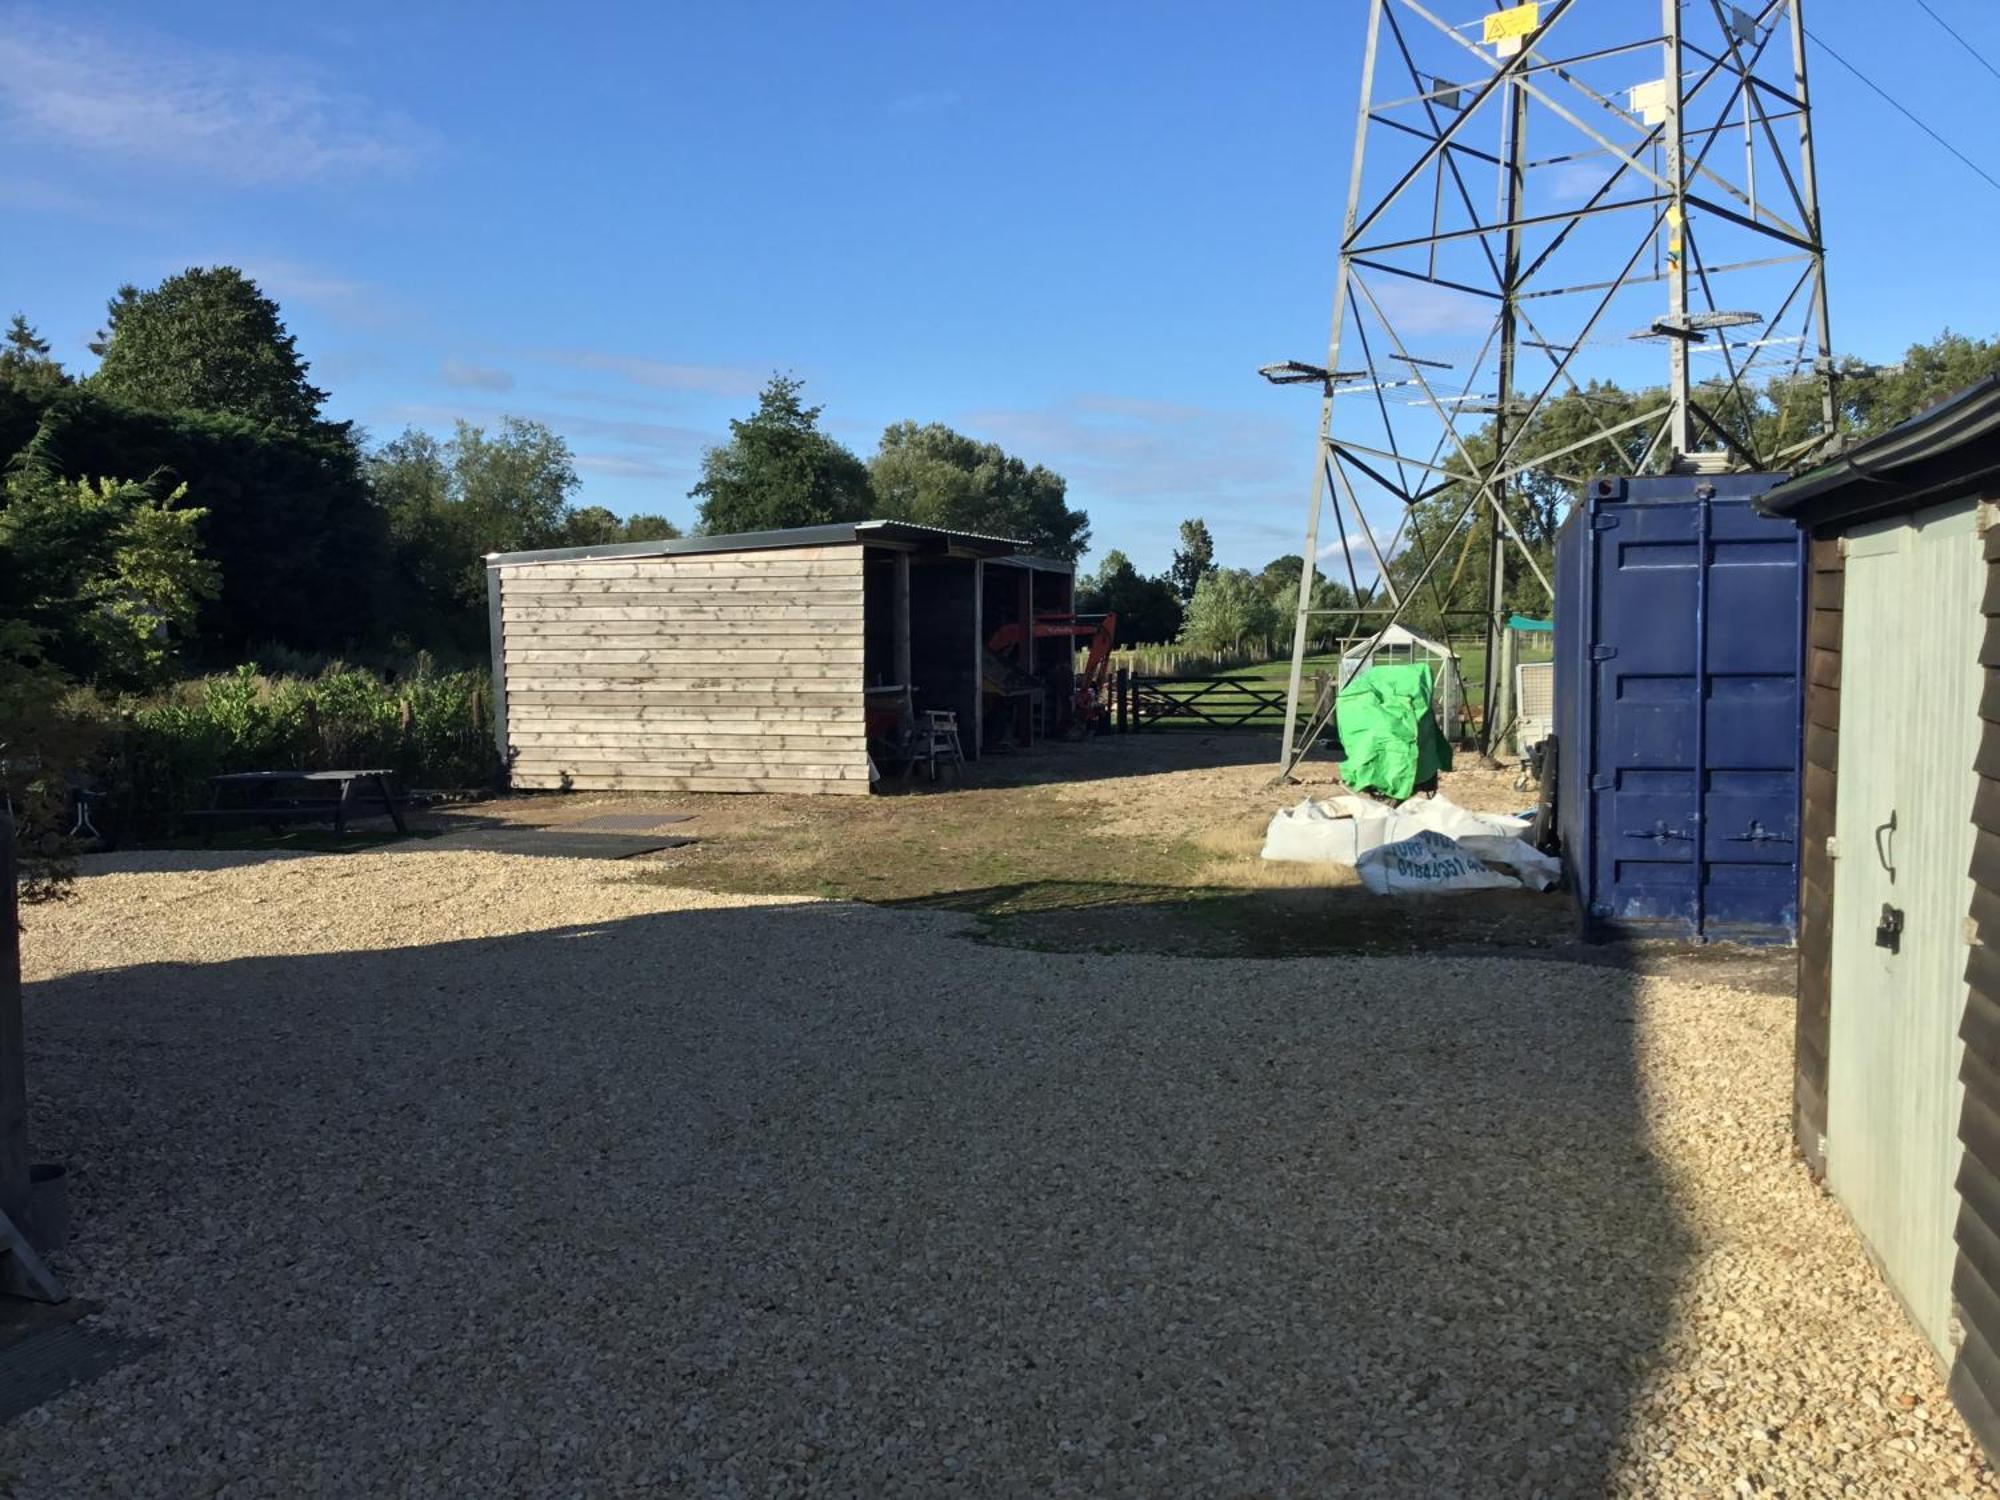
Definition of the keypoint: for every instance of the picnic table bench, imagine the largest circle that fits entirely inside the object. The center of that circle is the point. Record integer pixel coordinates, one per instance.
(259, 801)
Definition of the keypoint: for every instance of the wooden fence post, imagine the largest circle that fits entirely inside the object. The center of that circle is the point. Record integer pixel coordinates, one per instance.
(1124, 700)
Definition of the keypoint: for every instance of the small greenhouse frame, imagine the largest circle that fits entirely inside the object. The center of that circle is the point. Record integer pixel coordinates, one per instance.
(1398, 645)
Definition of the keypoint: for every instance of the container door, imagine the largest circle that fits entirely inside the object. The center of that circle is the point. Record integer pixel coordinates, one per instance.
(1642, 783)
(1909, 734)
(1750, 724)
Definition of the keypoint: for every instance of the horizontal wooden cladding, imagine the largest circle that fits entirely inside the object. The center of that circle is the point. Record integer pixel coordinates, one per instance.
(679, 655)
(633, 745)
(1824, 634)
(1825, 669)
(797, 785)
(1982, 977)
(675, 699)
(725, 603)
(1822, 747)
(694, 593)
(689, 593)
(772, 680)
(592, 714)
(1826, 554)
(1823, 708)
(1972, 1403)
(803, 563)
(1975, 1287)
(787, 765)
(1828, 589)
(735, 619)
(1986, 805)
(800, 763)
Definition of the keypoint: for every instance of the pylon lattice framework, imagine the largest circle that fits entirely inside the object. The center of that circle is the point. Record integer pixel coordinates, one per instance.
(1533, 193)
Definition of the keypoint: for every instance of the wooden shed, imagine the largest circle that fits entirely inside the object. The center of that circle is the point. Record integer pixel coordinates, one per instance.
(1897, 1096)
(750, 663)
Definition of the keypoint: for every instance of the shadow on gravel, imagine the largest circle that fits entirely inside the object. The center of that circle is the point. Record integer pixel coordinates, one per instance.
(1086, 916)
(817, 1198)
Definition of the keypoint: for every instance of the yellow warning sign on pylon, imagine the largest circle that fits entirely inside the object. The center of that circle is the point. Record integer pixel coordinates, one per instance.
(1516, 21)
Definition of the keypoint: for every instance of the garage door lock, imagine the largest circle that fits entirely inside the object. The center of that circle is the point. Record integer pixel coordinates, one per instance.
(1889, 931)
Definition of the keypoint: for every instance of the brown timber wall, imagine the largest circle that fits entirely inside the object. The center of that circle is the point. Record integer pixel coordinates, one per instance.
(710, 672)
(1975, 1285)
(1825, 594)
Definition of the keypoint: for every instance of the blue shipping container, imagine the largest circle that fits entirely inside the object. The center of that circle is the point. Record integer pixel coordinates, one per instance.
(1680, 632)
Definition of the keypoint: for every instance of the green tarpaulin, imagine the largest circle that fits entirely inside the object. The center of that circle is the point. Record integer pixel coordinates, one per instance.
(1391, 737)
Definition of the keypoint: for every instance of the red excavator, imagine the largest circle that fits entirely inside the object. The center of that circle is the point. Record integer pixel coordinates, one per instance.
(1090, 700)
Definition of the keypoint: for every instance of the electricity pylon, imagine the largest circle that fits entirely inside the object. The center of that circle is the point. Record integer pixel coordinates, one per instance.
(1543, 196)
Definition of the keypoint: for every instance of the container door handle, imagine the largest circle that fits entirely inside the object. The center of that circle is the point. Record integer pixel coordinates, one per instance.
(1885, 833)
(1659, 833)
(1758, 834)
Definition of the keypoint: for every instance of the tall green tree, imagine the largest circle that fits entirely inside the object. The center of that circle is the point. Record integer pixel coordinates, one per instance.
(1280, 579)
(646, 527)
(206, 340)
(1193, 560)
(1229, 612)
(595, 526)
(450, 502)
(301, 546)
(938, 477)
(108, 575)
(1148, 609)
(778, 469)
(26, 364)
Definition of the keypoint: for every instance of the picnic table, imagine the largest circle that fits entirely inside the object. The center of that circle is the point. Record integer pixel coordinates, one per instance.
(256, 798)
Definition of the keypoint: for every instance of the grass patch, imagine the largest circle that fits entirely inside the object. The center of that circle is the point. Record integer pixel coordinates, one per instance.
(1058, 866)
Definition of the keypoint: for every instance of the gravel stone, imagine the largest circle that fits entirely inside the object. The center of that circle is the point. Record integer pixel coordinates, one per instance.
(454, 1173)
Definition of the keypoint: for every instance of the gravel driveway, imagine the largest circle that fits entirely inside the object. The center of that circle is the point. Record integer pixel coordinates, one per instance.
(455, 1174)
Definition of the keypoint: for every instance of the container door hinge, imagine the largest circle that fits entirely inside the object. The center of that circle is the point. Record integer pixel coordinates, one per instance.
(1600, 908)
(1603, 653)
(1603, 781)
(1833, 846)
(1603, 523)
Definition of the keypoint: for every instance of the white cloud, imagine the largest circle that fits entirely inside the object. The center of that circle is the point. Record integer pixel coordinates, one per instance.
(630, 466)
(1139, 466)
(468, 376)
(147, 100)
(1162, 452)
(650, 435)
(1421, 309)
(655, 374)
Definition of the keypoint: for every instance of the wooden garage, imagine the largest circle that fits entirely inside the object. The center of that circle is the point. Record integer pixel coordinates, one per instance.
(1897, 1095)
(763, 662)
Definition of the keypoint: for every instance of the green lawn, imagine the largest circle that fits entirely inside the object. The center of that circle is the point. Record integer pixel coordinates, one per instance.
(1471, 666)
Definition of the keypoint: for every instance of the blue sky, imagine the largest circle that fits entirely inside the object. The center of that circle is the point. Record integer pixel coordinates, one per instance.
(1075, 230)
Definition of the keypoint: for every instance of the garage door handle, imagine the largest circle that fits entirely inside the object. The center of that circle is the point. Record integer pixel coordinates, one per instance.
(1885, 834)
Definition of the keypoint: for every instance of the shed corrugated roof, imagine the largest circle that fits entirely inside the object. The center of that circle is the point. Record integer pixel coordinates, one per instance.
(888, 533)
